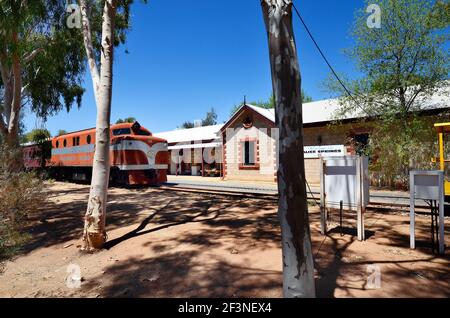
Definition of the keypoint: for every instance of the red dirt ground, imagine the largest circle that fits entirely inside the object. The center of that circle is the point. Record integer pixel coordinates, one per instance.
(175, 244)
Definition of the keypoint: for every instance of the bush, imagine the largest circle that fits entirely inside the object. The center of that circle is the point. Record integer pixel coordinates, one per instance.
(398, 146)
(21, 194)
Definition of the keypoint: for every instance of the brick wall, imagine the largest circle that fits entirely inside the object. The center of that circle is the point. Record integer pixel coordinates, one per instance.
(313, 136)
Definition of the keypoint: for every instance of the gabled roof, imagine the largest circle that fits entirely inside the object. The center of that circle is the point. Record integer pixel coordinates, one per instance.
(268, 114)
(192, 134)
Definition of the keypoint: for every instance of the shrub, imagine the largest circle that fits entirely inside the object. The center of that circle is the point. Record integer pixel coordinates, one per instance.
(21, 194)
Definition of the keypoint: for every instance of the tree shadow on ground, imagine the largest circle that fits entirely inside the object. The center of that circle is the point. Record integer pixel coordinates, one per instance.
(336, 263)
(224, 216)
(58, 222)
(178, 274)
(230, 223)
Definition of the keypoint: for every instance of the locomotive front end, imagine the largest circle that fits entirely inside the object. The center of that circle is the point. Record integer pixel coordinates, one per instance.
(138, 158)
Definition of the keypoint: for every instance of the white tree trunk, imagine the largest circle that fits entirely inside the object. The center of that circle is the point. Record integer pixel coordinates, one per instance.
(95, 219)
(12, 99)
(298, 266)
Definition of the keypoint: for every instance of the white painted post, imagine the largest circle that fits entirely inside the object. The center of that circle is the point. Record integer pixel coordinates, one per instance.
(359, 199)
(412, 218)
(363, 203)
(441, 215)
(323, 216)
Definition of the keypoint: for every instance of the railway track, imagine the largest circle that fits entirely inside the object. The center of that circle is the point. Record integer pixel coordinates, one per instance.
(381, 203)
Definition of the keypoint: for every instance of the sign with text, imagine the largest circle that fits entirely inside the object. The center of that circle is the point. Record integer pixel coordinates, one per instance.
(324, 151)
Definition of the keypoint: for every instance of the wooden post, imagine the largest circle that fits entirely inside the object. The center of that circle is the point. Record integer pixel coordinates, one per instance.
(412, 218)
(323, 208)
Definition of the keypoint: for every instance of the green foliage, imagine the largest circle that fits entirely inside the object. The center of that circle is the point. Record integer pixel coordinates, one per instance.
(21, 195)
(38, 136)
(52, 79)
(270, 103)
(403, 64)
(187, 125)
(209, 120)
(130, 120)
(397, 146)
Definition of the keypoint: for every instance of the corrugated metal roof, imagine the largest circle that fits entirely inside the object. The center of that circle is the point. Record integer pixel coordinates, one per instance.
(197, 146)
(313, 112)
(325, 110)
(192, 134)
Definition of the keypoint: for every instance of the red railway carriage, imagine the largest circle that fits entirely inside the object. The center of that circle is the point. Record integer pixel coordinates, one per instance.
(137, 157)
(32, 156)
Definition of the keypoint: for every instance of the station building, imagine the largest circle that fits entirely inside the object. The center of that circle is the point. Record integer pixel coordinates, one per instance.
(245, 148)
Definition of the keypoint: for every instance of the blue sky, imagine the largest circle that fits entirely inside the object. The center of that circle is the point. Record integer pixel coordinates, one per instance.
(188, 56)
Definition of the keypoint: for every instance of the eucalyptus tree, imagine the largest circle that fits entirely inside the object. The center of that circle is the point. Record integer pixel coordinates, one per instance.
(41, 62)
(103, 25)
(298, 266)
(403, 61)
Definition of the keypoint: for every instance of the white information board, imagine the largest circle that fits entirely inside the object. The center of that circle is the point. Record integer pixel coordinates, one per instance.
(426, 185)
(341, 181)
(345, 179)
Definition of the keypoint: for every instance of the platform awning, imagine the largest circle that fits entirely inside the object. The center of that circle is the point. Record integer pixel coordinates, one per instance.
(197, 146)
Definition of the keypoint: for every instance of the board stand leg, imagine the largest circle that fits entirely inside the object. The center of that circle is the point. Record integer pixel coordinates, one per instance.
(323, 208)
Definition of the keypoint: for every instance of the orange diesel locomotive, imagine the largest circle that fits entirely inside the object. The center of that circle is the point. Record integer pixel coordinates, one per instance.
(137, 157)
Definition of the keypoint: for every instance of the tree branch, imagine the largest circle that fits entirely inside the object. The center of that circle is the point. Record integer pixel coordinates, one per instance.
(87, 38)
(29, 57)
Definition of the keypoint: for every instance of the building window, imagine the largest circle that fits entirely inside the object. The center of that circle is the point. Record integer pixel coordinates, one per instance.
(361, 141)
(248, 154)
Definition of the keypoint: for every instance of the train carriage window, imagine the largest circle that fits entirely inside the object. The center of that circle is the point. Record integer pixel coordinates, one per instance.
(122, 131)
(65, 143)
(88, 139)
(57, 144)
(142, 132)
(75, 141)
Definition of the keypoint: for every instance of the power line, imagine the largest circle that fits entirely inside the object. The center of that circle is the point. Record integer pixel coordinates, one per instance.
(326, 60)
